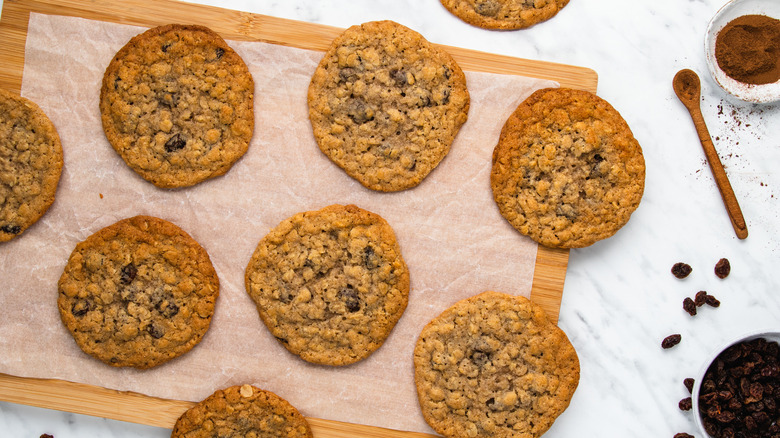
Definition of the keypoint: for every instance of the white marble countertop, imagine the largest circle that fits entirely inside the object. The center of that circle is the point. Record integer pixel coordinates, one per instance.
(620, 299)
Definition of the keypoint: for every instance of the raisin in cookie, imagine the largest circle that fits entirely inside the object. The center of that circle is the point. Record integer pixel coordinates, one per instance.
(30, 164)
(138, 293)
(567, 171)
(242, 411)
(494, 365)
(177, 105)
(385, 105)
(504, 14)
(330, 284)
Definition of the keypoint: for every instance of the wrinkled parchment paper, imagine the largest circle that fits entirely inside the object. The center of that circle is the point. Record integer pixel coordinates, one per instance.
(451, 234)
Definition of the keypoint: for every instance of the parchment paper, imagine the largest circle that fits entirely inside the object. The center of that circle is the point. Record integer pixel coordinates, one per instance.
(451, 234)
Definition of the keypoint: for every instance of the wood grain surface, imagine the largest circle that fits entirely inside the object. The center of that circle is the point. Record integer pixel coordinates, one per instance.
(550, 267)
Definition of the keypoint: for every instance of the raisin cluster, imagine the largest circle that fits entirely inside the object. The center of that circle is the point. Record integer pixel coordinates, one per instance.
(740, 393)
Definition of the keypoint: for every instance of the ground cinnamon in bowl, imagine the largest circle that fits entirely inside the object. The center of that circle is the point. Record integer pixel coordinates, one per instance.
(747, 49)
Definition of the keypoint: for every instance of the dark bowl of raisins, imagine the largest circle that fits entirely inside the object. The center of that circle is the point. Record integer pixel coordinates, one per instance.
(737, 392)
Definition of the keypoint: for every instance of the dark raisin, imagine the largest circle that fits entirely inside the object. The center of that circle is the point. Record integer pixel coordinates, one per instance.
(359, 111)
(480, 358)
(351, 299)
(167, 308)
(689, 306)
(445, 97)
(700, 298)
(681, 270)
(165, 47)
(399, 76)
(369, 258)
(282, 340)
(347, 74)
(11, 229)
(683, 435)
(128, 273)
(155, 331)
(81, 307)
(688, 382)
(487, 8)
(175, 143)
(220, 52)
(46, 435)
(447, 72)
(685, 404)
(671, 340)
(712, 301)
(722, 268)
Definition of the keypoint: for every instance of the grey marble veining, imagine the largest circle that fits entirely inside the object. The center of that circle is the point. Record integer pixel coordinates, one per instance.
(620, 299)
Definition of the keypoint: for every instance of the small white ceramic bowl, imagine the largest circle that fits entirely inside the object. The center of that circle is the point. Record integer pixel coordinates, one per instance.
(769, 335)
(765, 93)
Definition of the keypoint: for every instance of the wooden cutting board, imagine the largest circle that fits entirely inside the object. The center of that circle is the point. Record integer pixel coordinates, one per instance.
(550, 266)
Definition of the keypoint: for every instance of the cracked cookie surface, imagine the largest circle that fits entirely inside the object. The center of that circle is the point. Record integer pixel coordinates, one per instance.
(385, 105)
(504, 14)
(138, 293)
(494, 365)
(242, 411)
(567, 171)
(330, 284)
(30, 164)
(177, 105)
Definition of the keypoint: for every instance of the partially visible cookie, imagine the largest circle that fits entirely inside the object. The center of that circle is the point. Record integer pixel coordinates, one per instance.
(567, 170)
(494, 365)
(242, 411)
(30, 164)
(177, 105)
(138, 293)
(504, 14)
(331, 284)
(385, 105)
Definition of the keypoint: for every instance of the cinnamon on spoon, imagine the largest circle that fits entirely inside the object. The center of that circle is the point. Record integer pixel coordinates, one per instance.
(688, 88)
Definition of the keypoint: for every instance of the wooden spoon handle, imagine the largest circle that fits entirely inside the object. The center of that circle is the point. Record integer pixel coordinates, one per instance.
(724, 186)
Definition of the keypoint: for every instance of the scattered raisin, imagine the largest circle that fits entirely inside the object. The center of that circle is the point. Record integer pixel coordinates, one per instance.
(681, 270)
(722, 268)
(685, 404)
(128, 273)
(688, 382)
(175, 143)
(46, 435)
(683, 435)
(671, 340)
(712, 301)
(11, 229)
(701, 298)
(689, 306)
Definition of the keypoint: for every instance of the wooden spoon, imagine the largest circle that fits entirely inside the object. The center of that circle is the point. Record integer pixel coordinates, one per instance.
(688, 88)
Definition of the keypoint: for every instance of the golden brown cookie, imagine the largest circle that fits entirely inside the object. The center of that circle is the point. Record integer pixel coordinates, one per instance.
(567, 171)
(385, 105)
(330, 284)
(138, 293)
(177, 105)
(242, 411)
(504, 14)
(30, 164)
(494, 365)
